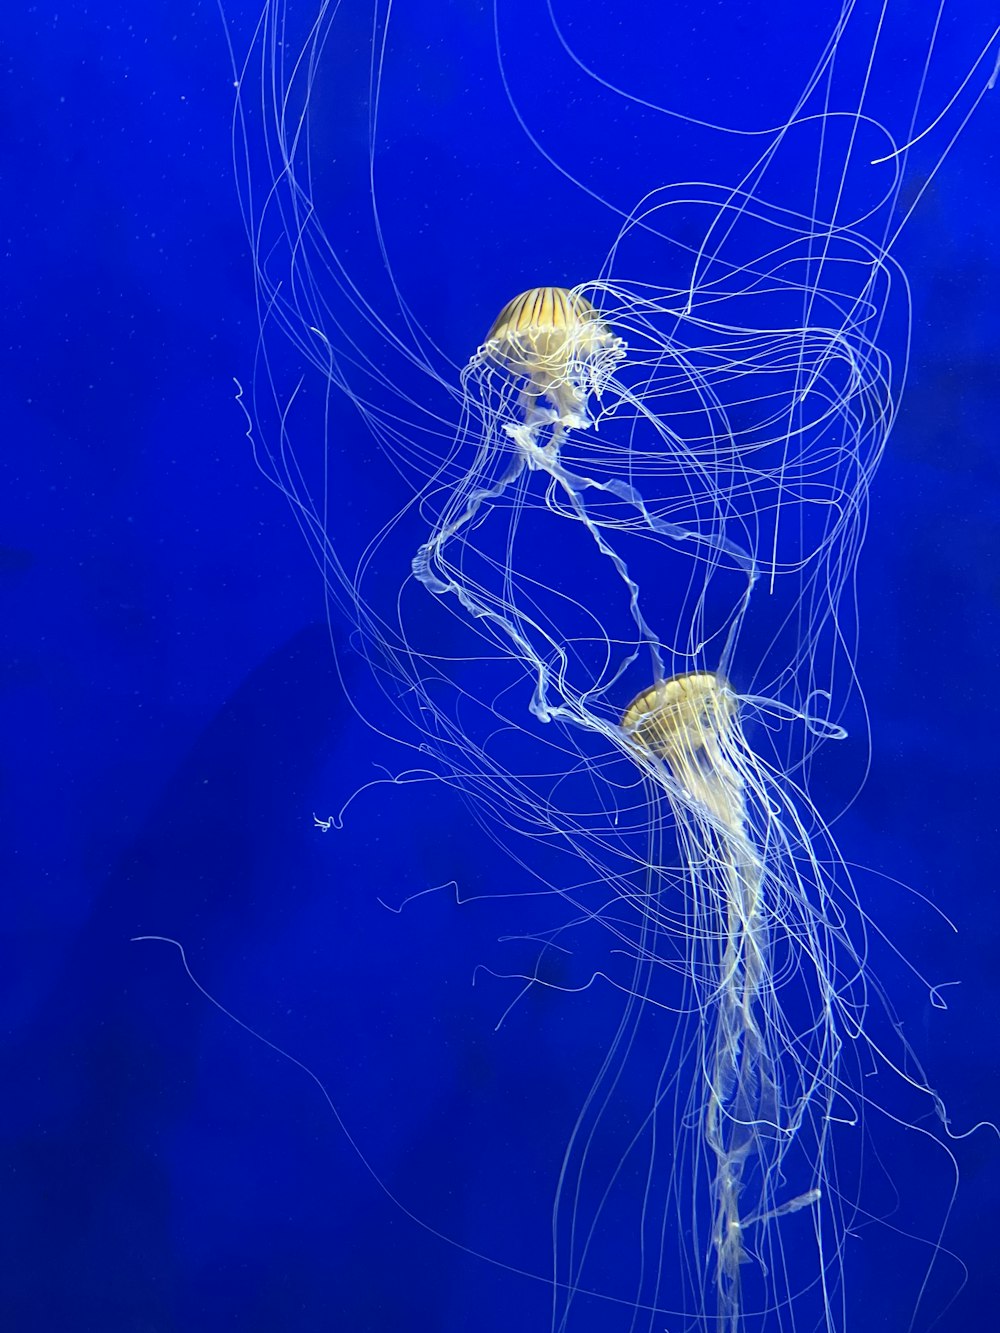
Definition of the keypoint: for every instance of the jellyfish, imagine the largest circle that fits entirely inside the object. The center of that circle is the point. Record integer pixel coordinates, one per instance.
(546, 354)
(653, 485)
(554, 341)
(690, 724)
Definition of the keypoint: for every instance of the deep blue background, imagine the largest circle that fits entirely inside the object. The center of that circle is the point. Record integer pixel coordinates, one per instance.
(172, 719)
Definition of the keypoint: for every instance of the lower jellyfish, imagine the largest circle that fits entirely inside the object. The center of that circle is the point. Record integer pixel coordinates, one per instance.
(647, 489)
(689, 725)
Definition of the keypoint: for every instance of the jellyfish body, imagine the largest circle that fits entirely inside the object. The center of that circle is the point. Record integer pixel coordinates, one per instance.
(547, 355)
(689, 723)
(547, 375)
(553, 343)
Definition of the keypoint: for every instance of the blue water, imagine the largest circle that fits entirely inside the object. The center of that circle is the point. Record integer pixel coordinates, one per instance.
(173, 714)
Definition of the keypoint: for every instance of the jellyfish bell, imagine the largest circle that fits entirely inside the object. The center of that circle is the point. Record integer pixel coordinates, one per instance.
(688, 722)
(553, 342)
